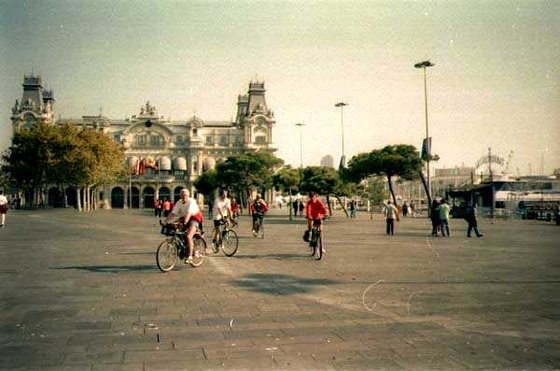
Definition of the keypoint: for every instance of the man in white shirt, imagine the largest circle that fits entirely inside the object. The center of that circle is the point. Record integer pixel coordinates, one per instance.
(391, 213)
(222, 210)
(3, 208)
(187, 209)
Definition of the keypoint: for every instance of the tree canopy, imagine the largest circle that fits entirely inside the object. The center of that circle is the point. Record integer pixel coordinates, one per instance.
(62, 155)
(401, 160)
(241, 173)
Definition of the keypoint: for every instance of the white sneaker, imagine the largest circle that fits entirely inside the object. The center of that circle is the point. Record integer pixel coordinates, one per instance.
(189, 260)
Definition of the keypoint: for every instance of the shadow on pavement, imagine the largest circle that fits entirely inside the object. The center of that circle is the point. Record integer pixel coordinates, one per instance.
(301, 256)
(280, 284)
(113, 268)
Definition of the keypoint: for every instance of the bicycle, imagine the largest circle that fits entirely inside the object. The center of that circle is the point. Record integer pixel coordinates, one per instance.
(258, 227)
(174, 246)
(316, 242)
(227, 240)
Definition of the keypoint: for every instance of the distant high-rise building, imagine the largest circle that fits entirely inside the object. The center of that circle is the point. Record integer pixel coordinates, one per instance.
(327, 161)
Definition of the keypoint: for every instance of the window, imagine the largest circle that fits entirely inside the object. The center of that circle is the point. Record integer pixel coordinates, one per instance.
(156, 140)
(117, 137)
(179, 139)
(223, 140)
(195, 132)
(141, 140)
(209, 140)
(260, 139)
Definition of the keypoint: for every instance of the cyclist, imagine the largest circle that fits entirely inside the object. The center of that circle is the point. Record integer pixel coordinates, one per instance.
(315, 212)
(222, 210)
(258, 209)
(235, 209)
(188, 211)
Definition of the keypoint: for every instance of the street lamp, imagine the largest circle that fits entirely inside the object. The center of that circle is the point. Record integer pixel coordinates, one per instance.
(427, 142)
(300, 144)
(341, 106)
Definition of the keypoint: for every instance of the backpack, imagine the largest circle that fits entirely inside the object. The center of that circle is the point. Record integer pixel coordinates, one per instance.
(258, 207)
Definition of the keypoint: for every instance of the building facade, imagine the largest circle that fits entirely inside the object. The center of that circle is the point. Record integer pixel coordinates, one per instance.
(163, 156)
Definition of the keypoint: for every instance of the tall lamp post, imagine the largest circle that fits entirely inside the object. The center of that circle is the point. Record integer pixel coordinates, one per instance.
(300, 144)
(300, 176)
(341, 105)
(427, 142)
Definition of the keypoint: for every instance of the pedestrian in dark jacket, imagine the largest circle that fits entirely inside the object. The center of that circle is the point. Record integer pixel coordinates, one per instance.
(434, 216)
(471, 218)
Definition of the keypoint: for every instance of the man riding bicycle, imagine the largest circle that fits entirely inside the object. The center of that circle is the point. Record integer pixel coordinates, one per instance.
(222, 210)
(188, 211)
(258, 209)
(315, 212)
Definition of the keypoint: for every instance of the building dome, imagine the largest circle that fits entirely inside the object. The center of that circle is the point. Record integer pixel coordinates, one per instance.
(208, 164)
(164, 163)
(132, 162)
(180, 163)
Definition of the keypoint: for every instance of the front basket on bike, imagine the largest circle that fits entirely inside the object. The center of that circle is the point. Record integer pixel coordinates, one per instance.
(168, 229)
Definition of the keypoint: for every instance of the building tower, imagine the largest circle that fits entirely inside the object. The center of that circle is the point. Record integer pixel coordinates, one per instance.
(37, 105)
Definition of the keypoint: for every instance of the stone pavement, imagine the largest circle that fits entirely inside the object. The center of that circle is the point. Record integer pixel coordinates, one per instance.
(83, 292)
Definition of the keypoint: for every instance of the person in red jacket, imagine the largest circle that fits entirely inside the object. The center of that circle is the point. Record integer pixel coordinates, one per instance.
(315, 212)
(258, 209)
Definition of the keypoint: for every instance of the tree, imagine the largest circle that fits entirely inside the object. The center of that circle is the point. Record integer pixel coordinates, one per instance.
(207, 182)
(63, 155)
(322, 180)
(401, 160)
(31, 158)
(249, 170)
(287, 179)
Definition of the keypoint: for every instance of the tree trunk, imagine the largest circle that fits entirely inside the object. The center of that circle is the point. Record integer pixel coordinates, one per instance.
(290, 205)
(341, 205)
(391, 190)
(78, 199)
(427, 193)
(329, 204)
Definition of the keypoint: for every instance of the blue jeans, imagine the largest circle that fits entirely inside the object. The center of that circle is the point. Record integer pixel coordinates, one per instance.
(444, 227)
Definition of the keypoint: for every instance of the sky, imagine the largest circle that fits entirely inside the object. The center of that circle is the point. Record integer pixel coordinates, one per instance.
(495, 83)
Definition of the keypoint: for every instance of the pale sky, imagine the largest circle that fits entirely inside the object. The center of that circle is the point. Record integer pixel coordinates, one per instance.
(495, 82)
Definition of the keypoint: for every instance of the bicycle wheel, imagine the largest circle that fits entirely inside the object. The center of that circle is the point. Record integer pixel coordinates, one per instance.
(166, 255)
(320, 246)
(199, 251)
(313, 242)
(215, 247)
(230, 242)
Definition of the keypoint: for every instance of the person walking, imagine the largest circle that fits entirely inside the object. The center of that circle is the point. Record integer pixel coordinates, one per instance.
(3, 208)
(443, 210)
(391, 213)
(157, 210)
(411, 208)
(471, 218)
(434, 216)
(405, 209)
(352, 207)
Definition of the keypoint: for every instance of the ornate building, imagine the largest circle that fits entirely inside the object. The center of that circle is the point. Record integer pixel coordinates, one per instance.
(164, 156)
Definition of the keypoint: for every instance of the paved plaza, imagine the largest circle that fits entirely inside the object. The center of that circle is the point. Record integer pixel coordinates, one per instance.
(83, 292)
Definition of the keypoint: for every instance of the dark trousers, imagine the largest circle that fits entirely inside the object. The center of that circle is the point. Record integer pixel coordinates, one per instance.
(473, 225)
(390, 226)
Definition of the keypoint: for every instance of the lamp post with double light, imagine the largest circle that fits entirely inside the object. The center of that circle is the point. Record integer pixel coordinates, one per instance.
(341, 105)
(426, 148)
